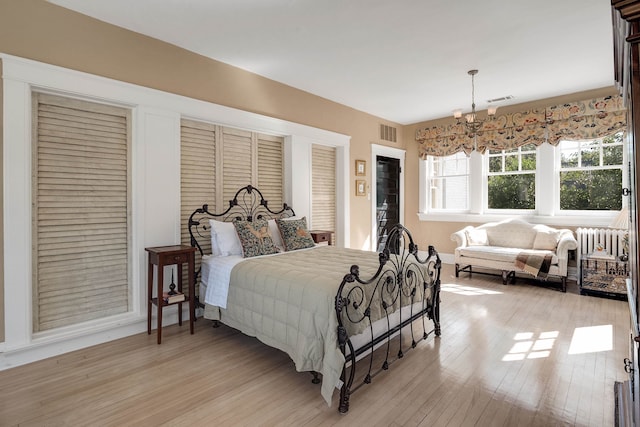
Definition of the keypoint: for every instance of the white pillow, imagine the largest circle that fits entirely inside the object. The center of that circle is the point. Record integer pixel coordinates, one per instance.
(226, 239)
(477, 237)
(275, 235)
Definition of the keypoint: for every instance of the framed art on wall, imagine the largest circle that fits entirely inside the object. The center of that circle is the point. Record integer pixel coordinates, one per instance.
(361, 167)
(360, 187)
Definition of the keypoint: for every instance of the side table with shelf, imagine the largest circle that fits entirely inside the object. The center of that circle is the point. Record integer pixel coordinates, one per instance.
(320, 236)
(161, 256)
(603, 277)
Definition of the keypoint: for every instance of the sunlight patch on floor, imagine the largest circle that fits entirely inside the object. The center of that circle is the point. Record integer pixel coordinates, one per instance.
(466, 290)
(591, 339)
(529, 346)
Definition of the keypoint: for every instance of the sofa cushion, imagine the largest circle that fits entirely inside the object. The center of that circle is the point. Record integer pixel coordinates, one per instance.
(546, 238)
(497, 253)
(477, 237)
(512, 233)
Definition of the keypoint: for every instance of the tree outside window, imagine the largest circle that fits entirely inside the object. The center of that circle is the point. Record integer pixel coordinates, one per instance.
(591, 174)
(512, 178)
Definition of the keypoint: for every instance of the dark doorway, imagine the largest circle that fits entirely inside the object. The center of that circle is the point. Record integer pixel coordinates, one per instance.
(387, 197)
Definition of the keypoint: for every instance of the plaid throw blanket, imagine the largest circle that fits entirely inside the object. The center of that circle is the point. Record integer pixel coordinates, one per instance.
(535, 263)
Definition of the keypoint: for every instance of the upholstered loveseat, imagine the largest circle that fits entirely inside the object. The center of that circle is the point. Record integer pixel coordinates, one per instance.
(515, 246)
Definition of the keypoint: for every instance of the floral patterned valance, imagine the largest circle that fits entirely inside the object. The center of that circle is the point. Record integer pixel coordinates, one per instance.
(589, 119)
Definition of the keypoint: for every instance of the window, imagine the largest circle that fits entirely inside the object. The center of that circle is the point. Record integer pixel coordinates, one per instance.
(448, 182)
(511, 182)
(591, 174)
(572, 179)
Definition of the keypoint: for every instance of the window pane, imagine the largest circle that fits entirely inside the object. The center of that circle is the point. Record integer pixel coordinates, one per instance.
(569, 158)
(449, 193)
(590, 156)
(612, 155)
(595, 179)
(495, 164)
(591, 190)
(511, 163)
(529, 162)
(512, 191)
(448, 183)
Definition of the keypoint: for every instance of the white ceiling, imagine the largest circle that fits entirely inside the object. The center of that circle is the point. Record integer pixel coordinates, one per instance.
(403, 60)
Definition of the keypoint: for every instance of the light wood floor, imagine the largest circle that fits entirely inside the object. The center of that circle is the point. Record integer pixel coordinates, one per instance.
(507, 357)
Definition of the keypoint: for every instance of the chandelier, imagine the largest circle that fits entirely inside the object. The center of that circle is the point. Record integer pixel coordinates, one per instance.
(472, 123)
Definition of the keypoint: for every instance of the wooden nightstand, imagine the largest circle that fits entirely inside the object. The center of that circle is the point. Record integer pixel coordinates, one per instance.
(170, 255)
(320, 236)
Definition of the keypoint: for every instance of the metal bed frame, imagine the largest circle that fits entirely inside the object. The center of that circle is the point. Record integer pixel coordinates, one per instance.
(403, 279)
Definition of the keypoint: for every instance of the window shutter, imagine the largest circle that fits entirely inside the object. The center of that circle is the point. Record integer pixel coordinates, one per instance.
(236, 161)
(270, 169)
(216, 161)
(323, 179)
(80, 211)
(197, 177)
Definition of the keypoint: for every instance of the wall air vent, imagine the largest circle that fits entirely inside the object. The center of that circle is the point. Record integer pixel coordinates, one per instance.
(388, 133)
(504, 98)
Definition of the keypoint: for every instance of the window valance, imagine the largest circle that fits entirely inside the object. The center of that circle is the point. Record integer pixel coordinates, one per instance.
(580, 120)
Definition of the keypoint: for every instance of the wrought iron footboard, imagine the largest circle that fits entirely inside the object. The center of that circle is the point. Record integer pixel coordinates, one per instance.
(403, 284)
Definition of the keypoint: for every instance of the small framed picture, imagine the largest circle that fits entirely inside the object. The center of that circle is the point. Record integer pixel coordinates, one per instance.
(361, 185)
(361, 167)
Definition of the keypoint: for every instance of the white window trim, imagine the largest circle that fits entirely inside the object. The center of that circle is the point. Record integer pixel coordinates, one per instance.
(547, 189)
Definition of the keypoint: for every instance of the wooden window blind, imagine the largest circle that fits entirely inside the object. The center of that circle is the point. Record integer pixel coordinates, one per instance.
(271, 169)
(237, 161)
(197, 176)
(323, 181)
(81, 203)
(216, 161)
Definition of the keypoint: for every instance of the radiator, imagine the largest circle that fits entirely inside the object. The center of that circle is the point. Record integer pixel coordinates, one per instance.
(611, 240)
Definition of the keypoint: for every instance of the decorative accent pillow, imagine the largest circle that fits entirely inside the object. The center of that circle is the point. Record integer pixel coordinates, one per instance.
(477, 237)
(546, 239)
(224, 238)
(295, 234)
(255, 238)
(275, 232)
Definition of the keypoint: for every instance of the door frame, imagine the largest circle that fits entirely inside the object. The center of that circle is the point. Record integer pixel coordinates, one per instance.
(394, 153)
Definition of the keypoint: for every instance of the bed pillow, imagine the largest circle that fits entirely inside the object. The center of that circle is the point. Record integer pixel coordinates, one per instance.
(226, 239)
(295, 234)
(215, 249)
(275, 234)
(255, 238)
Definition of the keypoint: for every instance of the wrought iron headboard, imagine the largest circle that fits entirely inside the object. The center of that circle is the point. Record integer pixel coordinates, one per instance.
(248, 204)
